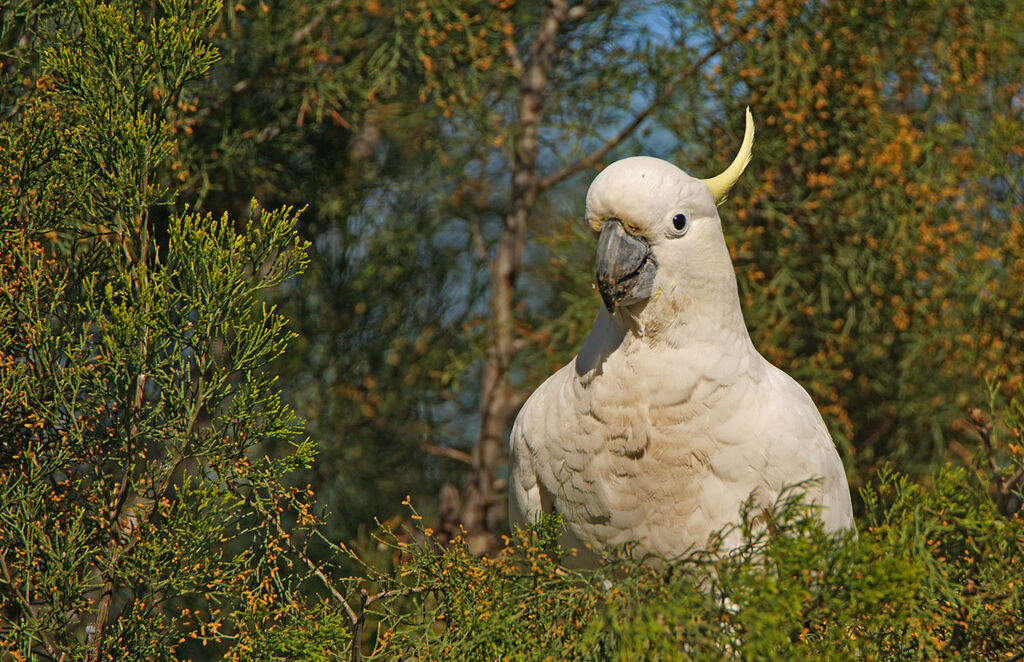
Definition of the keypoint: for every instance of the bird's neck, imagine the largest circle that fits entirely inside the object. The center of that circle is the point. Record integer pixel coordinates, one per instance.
(711, 328)
(677, 316)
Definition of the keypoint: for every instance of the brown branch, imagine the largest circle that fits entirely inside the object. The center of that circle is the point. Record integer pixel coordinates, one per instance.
(513, 55)
(335, 593)
(365, 600)
(355, 619)
(135, 414)
(478, 242)
(165, 485)
(576, 13)
(107, 596)
(984, 430)
(450, 453)
(357, 627)
(1016, 479)
(1002, 486)
(610, 144)
(396, 592)
(315, 569)
(302, 33)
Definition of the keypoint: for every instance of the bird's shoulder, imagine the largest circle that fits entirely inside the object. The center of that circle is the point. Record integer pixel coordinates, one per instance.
(538, 417)
(796, 436)
(787, 409)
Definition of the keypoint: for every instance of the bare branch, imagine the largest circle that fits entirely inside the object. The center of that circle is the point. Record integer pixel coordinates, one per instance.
(984, 430)
(396, 592)
(480, 510)
(302, 33)
(478, 242)
(313, 567)
(365, 600)
(513, 55)
(1015, 480)
(450, 453)
(610, 144)
(576, 13)
(357, 627)
(1002, 487)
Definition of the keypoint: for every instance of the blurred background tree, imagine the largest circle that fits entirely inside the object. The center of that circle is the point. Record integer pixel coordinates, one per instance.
(878, 240)
(349, 107)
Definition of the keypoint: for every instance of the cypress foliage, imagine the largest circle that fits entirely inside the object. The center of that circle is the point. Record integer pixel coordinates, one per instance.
(137, 514)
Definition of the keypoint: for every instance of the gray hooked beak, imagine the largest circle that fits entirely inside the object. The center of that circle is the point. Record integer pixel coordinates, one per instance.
(625, 266)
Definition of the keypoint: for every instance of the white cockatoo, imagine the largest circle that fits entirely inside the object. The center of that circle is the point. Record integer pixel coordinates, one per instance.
(668, 419)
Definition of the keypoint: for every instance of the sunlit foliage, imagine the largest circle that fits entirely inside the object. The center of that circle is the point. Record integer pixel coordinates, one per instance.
(137, 515)
(934, 573)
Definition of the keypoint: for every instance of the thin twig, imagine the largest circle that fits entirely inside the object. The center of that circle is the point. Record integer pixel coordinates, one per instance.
(321, 576)
(307, 561)
(300, 35)
(450, 453)
(513, 55)
(984, 431)
(478, 242)
(107, 596)
(26, 601)
(1017, 478)
(365, 600)
(357, 627)
(396, 592)
(1004, 486)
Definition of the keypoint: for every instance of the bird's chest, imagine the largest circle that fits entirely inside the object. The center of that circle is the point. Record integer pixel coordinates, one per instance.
(642, 397)
(637, 456)
(639, 436)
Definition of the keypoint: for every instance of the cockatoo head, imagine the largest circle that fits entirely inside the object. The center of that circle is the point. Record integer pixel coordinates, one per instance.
(659, 230)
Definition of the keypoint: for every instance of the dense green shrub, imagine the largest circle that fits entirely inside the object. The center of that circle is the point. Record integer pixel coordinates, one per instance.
(934, 573)
(139, 517)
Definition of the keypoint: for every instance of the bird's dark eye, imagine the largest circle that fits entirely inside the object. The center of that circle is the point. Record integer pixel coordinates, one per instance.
(679, 221)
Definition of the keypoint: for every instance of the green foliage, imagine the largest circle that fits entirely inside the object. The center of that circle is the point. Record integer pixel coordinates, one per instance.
(934, 573)
(138, 517)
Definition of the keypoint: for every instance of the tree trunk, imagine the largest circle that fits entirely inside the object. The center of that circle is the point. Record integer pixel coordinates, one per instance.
(483, 504)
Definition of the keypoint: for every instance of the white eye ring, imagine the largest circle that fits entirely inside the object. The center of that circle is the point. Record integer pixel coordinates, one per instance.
(680, 224)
